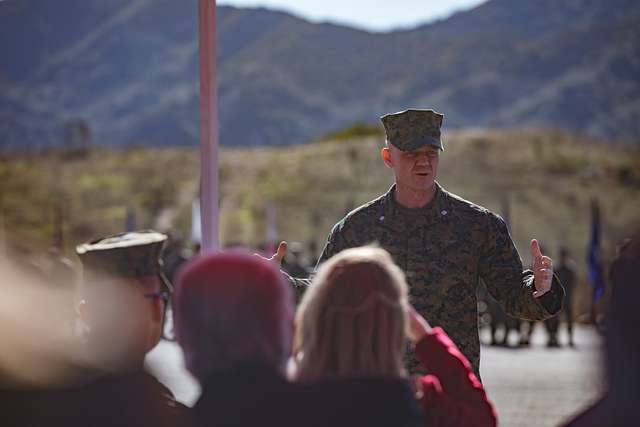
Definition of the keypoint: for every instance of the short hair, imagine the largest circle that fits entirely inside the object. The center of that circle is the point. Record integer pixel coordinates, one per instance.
(232, 309)
(352, 320)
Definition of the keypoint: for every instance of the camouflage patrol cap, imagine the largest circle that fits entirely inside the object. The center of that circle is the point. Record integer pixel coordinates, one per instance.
(131, 254)
(411, 129)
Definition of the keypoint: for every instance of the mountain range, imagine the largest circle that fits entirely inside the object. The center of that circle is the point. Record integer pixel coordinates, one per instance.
(129, 70)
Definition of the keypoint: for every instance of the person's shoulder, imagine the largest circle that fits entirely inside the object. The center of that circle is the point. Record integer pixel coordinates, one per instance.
(462, 206)
(477, 219)
(362, 215)
(367, 210)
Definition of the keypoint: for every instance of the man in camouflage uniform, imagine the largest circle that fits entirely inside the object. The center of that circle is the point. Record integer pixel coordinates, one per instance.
(123, 296)
(443, 243)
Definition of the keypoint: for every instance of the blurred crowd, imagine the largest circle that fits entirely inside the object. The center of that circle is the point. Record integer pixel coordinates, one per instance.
(74, 342)
(510, 332)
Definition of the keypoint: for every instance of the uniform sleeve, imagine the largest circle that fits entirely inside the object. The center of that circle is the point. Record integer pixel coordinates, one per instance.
(336, 242)
(452, 395)
(298, 284)
(501, 270)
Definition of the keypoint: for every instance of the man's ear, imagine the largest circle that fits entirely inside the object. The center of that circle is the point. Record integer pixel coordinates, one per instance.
(81, 309)
(385, 153)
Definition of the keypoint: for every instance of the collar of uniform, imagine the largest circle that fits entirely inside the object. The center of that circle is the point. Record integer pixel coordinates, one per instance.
(434, 211)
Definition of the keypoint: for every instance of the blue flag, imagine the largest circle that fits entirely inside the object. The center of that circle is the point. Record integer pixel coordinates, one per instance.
(594, 257)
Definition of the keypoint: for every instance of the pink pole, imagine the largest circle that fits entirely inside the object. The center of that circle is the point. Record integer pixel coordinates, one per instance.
(208, 125)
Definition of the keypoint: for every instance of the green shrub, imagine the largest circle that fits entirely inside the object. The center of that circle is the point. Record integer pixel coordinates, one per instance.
(355, 131)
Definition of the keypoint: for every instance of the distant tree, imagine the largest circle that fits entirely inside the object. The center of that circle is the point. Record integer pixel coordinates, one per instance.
(354, 131)
(77, 138)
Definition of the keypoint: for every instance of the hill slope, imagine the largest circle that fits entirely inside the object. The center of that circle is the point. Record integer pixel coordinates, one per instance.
(129, 68)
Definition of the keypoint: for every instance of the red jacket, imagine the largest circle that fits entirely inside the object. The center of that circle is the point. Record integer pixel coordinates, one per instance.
(451, 395)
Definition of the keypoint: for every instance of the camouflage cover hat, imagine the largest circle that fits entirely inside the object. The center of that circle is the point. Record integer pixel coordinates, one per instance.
(411, 129)
(131, 254)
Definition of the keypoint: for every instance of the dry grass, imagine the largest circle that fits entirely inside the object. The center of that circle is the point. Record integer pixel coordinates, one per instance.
(546, 178)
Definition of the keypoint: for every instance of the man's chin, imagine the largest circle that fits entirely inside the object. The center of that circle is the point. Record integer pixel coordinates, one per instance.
(423, 183)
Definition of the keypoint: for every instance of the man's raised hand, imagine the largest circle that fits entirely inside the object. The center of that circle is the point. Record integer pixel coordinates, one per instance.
(278, 256)
(542, 270)
(280, 252)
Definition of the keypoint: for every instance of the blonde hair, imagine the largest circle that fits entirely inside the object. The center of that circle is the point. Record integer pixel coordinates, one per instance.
(352, 319)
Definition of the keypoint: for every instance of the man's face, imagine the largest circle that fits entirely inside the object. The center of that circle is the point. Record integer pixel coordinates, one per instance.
(154, 308)
(414, 170)
(125, 317)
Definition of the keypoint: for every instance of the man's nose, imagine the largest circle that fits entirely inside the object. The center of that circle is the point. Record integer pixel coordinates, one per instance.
(423, 159)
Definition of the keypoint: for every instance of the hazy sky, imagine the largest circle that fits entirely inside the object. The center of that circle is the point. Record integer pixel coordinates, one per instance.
(373, 15)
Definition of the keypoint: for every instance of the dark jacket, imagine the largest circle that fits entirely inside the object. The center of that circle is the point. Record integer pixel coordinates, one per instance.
(128, 400)
(256, 395)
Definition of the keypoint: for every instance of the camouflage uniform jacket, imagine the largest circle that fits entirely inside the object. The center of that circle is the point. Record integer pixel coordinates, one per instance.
(445, 248)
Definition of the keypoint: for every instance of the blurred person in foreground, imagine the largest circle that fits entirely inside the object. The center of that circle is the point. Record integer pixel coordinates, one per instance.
(350, 327)
(233, 319)
(443, 243)
(174, 256)
(619, 406)
(122, 303)
(234, 322)
(38, 346)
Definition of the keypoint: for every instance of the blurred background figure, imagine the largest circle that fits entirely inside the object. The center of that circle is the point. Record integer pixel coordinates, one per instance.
(567, 275)
(174, 256)
(499, 321)
(121, 303)
(294, 262)
(619, 407)
(233, 318)
(525, 330)
(350, 329)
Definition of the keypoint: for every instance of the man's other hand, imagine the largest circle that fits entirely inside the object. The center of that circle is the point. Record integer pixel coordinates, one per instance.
(280, 252)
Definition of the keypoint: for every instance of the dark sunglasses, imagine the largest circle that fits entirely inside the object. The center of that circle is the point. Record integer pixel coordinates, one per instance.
(163, 295)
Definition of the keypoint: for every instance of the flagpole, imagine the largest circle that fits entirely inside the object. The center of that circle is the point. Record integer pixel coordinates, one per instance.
(208, 125)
